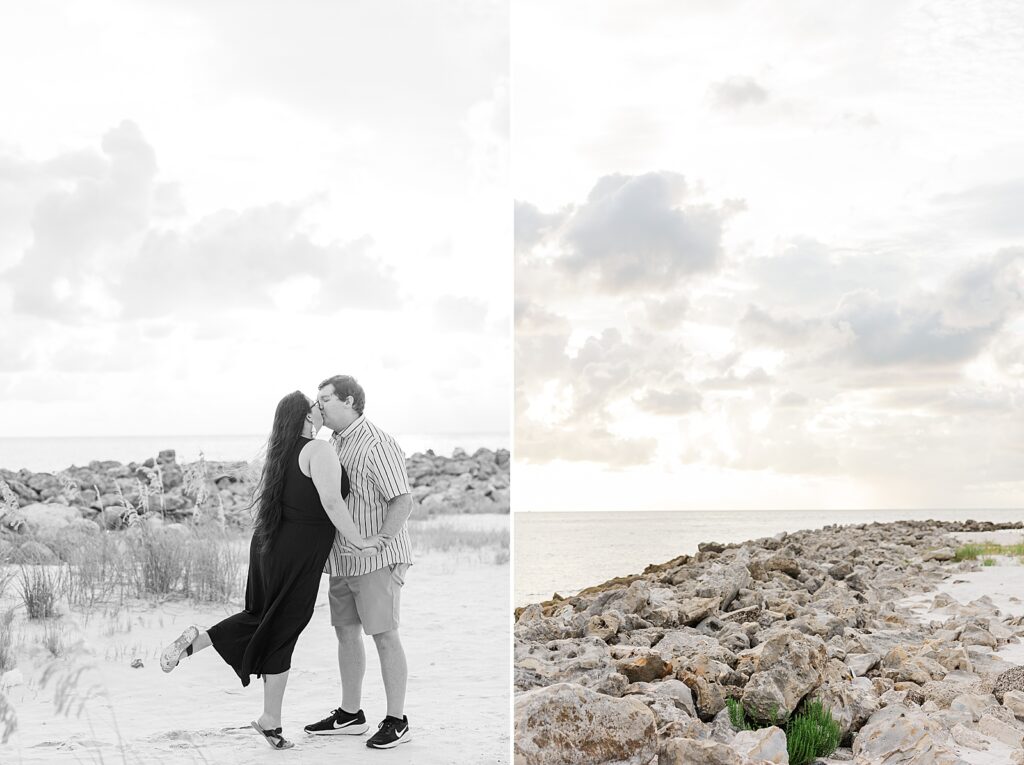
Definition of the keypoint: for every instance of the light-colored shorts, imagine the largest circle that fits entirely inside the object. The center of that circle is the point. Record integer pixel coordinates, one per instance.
(371, 600)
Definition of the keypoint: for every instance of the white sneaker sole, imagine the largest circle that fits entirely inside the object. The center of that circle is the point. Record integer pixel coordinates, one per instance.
(169, 658)
(393, 744)
(348, 730)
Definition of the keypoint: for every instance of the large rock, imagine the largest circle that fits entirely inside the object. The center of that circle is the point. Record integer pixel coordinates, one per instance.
(687, 751)
(765, 745)
(566, 724)
(723, 581)
(47, 519)
(789, 667)
(899, 735)
(1010, 680)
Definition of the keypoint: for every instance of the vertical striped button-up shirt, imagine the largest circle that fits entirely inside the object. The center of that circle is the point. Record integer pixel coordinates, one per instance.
(376, 473)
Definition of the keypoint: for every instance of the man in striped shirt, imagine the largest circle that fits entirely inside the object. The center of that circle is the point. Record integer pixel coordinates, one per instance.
(365, 591)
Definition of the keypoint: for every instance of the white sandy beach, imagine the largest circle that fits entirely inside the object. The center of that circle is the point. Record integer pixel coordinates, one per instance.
(455, 627)
(1004, 585)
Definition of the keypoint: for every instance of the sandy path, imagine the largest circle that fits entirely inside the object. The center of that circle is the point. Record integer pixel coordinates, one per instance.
(455, 631)
(1004, 584)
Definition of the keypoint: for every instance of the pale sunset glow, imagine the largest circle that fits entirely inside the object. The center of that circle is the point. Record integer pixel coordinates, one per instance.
(768, 256)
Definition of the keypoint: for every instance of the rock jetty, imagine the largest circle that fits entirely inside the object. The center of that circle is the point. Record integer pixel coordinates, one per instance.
(638, 670)
(105, 491)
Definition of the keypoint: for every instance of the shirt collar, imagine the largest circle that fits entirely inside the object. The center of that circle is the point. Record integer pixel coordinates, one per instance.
(352, 428)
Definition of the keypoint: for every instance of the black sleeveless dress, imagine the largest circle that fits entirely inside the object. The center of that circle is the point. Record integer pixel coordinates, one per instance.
(282, 585)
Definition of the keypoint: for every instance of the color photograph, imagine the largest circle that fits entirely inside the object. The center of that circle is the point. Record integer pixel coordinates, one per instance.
(255, 374)
(769, 353)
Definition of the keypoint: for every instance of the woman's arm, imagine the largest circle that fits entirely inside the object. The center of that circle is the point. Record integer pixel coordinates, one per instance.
(325, 471)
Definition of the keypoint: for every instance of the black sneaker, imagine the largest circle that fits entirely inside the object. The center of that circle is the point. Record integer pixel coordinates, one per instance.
(390, 733)
(339, 722)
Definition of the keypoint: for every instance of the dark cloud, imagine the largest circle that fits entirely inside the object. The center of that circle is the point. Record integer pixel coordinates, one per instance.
(737, 93)
(634, 234)
(884, 333)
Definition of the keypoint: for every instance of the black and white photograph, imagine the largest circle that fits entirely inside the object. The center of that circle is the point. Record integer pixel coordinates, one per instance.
(255, 382)
(769, 341)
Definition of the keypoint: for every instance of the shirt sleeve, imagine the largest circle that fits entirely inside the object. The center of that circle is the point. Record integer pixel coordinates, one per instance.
(387, 470)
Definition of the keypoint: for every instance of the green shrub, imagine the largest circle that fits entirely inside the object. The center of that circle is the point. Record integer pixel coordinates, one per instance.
(988, 561)
(738, 716)
(968, 552)
(811, 733)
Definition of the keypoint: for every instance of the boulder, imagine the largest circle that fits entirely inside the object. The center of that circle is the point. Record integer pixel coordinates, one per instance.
(1010, 680)
(899, 735)
(789, 667)
(47, 519)
(566, 724)
(765, 745)
(645, 669)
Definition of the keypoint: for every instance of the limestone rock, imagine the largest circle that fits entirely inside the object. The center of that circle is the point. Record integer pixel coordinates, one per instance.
(684, 751)
(789, 667)
(1010, 680)
(566, 724)
(898, 735)
(1001, 730)
(766, 745)
(1014, 701)
(645, 669)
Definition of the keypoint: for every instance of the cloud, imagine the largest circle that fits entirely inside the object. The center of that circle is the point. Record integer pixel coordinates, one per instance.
(634, 234)
(668, 313)
(606, 374)
(737, 93)
(992, 208)
(100, 247)
(459, 313)
(532, 226)
(884, 333)
(672, 402)
(946, 328)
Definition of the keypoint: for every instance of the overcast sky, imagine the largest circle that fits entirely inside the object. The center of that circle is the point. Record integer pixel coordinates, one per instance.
(204, 206)
(768, 255)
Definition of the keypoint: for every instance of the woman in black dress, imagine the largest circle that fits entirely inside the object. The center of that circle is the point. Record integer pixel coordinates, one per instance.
(299, 504)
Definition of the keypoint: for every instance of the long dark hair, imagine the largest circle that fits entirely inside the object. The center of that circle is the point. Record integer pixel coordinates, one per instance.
(288, 418)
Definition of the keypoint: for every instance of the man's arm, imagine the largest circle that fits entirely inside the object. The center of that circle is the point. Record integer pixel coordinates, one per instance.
(399, 510)
(387, 472)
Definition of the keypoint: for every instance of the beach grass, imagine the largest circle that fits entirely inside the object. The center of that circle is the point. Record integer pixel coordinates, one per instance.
(988, 549)
(811, 732)
(441, 535)
(7, 660)
(40, 589)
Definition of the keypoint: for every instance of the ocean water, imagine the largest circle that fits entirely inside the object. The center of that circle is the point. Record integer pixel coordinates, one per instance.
(566, 552)
(48, 453)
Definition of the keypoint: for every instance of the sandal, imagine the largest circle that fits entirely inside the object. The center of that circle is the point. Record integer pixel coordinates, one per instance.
(171, 654)
(273, 736)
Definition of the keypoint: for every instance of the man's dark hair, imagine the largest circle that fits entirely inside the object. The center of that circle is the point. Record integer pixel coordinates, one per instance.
(345, 386)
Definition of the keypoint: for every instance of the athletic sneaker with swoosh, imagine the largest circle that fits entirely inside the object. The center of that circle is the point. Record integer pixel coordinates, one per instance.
(390, 733)
(339, 722)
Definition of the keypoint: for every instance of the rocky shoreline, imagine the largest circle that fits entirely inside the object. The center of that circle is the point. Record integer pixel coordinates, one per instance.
(107, 492)
(638, 670)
